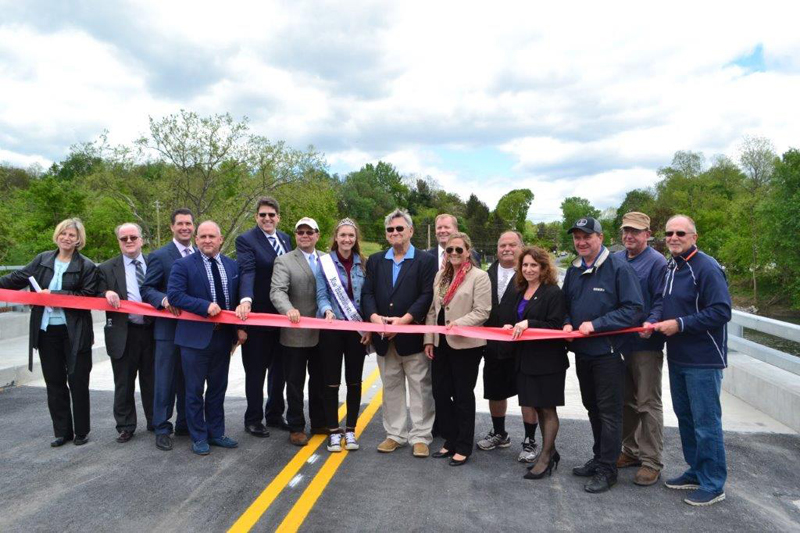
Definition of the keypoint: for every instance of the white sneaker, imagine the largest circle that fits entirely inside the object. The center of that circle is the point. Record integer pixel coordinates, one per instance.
(530, 451)
(494, 440)
(335, 442)
(350, 442)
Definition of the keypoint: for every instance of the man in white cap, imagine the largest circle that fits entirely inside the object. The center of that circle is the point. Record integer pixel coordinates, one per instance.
(294, 293)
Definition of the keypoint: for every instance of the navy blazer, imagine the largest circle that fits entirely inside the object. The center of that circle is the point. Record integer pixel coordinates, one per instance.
(413, 293)
(256, 257)
(154, 289)
(189, 289)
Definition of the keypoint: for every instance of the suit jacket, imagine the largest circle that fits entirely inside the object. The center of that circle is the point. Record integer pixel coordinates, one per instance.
(294, 286)
(112, 278)
(504, 311)
(546, 309)
(470, 306)
(154, 289)
(190, 289)
(476, 257)
(256, 258)
(413, 294)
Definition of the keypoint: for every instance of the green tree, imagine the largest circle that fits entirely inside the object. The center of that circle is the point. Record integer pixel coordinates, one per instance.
(782, 211)
(513, 208)
(572, 209)
(371, 193)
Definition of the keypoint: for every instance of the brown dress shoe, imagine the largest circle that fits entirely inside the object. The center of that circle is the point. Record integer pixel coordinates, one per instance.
(388, 446)
(298, 438)
(646, 476)
(421, 450)
(626, 461)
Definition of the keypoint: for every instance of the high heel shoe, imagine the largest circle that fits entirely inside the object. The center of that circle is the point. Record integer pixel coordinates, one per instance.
(552, 464)
(556, 458)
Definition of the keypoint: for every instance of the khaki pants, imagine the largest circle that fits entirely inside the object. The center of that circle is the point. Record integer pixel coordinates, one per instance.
(396, 372)
(642, 413)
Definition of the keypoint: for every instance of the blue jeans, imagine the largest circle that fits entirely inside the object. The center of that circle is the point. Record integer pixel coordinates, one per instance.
(695, 399)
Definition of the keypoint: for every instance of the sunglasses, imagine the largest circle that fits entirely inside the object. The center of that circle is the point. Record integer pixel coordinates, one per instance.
(678, 233)
(398, 229)
(270, 215)
(306, 232)
(459, 250)
(131, 238)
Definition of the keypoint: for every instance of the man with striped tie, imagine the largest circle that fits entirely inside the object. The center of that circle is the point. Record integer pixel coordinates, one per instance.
(256, 251)
(129, 338)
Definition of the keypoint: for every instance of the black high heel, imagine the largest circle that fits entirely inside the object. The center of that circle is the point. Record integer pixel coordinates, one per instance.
(556, 458)
(552, 464)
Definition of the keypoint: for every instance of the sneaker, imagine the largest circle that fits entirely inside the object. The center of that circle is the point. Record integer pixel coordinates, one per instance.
(350, 442)
(682, 482)
(530, 451)
(335, 442)
(494, 440)
(701, 498)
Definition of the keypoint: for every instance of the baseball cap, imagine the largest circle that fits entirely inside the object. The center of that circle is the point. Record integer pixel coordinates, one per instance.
(307, 221)
(587, 225)
(636, 220)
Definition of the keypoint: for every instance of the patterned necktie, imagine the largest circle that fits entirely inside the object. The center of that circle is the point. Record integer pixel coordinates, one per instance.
(441, 262)
(275, 246)
(139, 272)
(187, 251)
(220, 296)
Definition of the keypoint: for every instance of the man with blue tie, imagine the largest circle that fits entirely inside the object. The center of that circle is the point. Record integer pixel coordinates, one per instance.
(206, 284)
(256, 251)
(294, 294)
(168, 389)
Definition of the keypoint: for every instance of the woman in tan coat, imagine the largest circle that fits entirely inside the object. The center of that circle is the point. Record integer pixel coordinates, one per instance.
(461, 297)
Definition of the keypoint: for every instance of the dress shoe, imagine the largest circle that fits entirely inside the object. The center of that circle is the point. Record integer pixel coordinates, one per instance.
(625, 461)
(80, 440)
(388, 446)
(182, 432)
(257, 430)
(278, 424)
(151, 428)
(587, 470)
(201, 448)
(420, 449)
(298, 438)
(459, 462)
(552, 464)
(442, 455)
(600, 482)
(164, 442)
(60, 441)
(646, 476)
(320, 431)
(223, 442)
(125, 436)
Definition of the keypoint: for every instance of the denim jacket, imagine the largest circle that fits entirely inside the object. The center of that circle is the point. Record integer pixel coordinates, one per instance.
(325, 298)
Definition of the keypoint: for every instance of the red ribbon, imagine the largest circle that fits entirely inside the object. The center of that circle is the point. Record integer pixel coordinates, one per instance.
(280, 321)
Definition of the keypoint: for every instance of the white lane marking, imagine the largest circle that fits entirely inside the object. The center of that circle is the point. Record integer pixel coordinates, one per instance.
(295, 480)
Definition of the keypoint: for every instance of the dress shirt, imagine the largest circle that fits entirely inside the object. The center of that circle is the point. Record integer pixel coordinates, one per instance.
(207, 263)
(132, 284)
(395, 265)
(504, 277)
(182, 249)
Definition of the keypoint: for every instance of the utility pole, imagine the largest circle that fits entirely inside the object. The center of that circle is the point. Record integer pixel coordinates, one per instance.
(158, 222)
(429, 236)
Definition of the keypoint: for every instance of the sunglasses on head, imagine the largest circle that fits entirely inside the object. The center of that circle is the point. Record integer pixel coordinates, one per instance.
(306, 232)
(398, 229)
(131, 238)
(678, 233)
(270, 215)
(450, 249)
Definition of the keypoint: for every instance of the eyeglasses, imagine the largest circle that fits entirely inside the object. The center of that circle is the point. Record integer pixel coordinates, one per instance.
(270, 215)
(306, 232)
(459, 250)
(398, 229)
(678, 233)
(131, 238)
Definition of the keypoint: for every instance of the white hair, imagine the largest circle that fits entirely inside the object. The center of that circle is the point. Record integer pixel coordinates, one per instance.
(398, 213)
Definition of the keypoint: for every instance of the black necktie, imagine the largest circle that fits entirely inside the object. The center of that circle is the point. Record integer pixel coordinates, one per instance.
(220, 292)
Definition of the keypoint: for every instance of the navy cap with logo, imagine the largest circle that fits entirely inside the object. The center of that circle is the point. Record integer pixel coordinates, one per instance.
(587, 225)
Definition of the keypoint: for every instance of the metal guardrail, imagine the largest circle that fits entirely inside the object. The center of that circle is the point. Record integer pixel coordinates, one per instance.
(4, 268)
(770, 326)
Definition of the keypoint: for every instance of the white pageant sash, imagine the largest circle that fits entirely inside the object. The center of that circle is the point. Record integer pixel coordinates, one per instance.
(338, 290)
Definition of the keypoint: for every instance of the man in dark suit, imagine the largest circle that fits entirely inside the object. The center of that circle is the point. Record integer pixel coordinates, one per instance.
(446, 225)
(399, 290)
(129, 338)
(206, 284)
(256, 251)
(168, 374)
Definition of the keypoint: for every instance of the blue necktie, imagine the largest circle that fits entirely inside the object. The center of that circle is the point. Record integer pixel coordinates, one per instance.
(220, 296)
(274, 242)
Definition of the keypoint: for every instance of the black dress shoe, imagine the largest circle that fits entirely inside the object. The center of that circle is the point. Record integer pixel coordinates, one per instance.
(442, 455)
(60, 441)
(456, 462)
(151, 428)
(278, 424)
(182, 432)
(125, 436)
(257, 430)
(80, 440)
(587, 470)
(601, 482)
(164, 442)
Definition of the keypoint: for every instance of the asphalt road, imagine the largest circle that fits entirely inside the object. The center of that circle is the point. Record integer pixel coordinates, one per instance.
(105, 486)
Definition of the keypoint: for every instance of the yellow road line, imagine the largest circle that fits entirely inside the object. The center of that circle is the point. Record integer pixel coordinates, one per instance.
(300, 511)
(268, 495)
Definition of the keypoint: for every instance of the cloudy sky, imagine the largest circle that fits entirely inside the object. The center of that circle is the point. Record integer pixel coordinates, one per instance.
(578, 98)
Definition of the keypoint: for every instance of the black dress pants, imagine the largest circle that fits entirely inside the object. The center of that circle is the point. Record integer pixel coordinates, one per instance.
(454, 374)
(602, 382)
(336, 346)
(138, 358)
(295, 362)
(258, 354)
(54, 349)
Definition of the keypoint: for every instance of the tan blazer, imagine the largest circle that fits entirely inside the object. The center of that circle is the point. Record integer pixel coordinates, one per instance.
(295, 287)
(470, 306)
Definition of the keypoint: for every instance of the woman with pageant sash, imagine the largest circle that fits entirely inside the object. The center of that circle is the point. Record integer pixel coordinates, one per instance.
(339, 280)
(462, 296)
(63, 337)
(541, 364)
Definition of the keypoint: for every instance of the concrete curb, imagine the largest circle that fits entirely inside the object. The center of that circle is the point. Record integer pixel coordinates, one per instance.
(19, 375)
